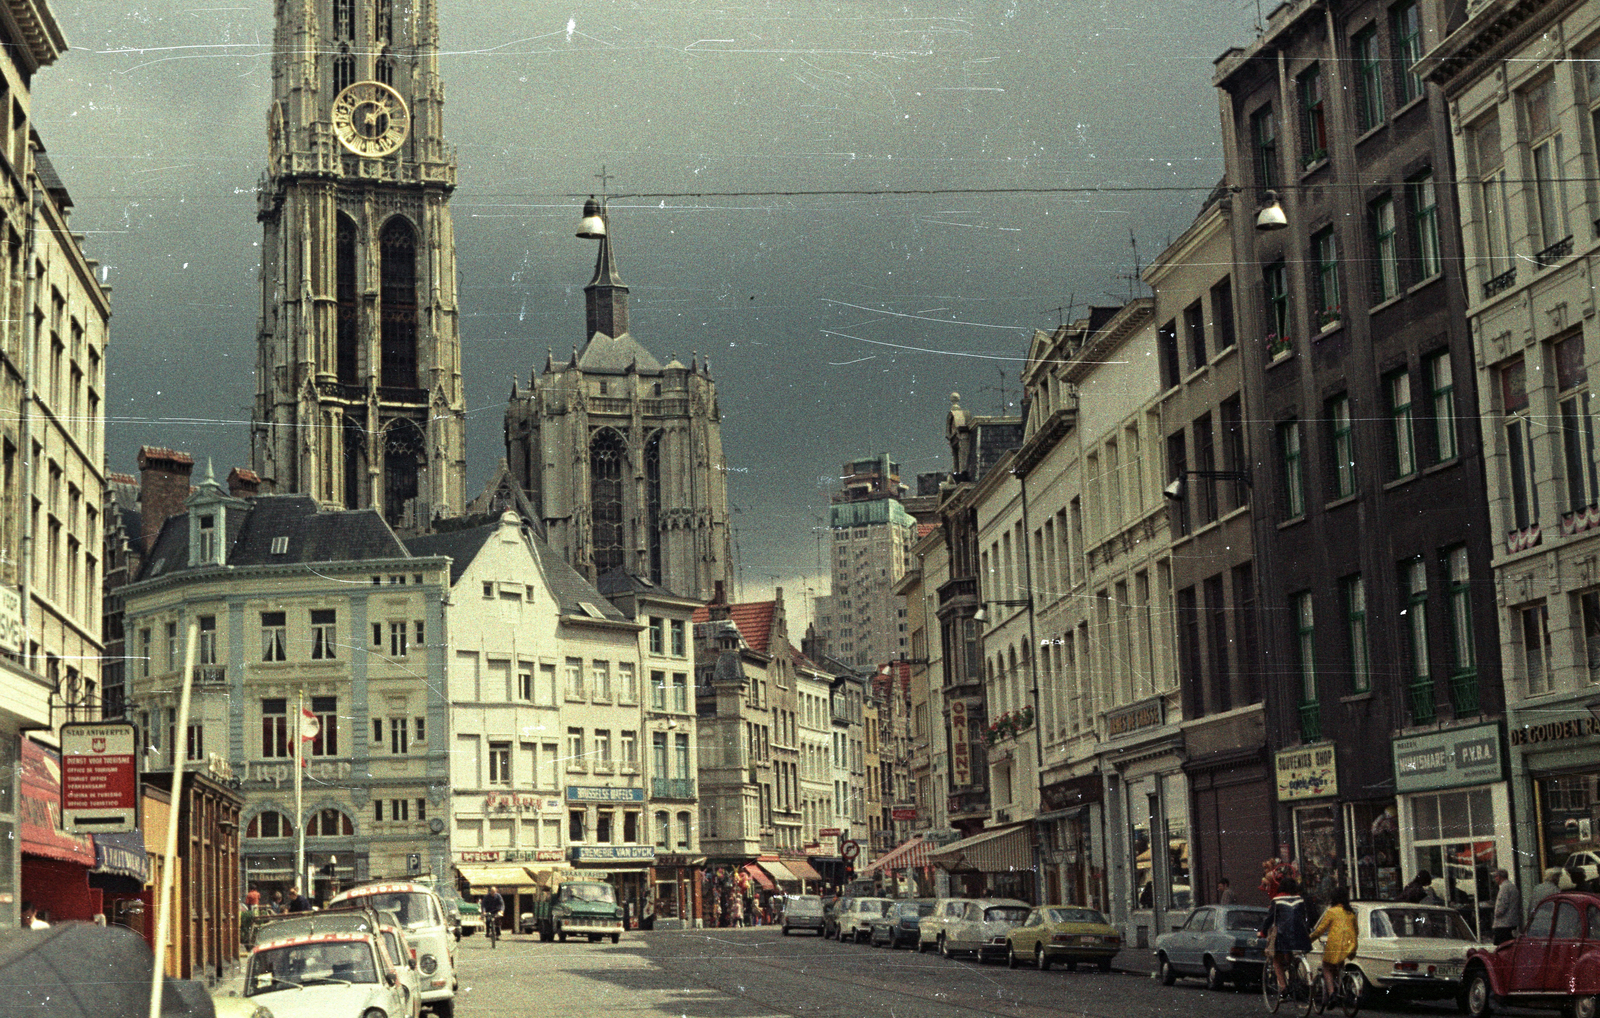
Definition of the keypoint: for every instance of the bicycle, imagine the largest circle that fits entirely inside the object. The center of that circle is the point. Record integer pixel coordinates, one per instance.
(491, 927)
(1299, 990)
(1346, 991)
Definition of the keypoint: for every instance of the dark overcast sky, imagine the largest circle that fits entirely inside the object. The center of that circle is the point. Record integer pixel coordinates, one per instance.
(837, 325)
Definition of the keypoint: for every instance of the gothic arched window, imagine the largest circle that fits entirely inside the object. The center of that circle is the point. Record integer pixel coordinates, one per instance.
(344, 19)
(344, 70)
(355, 465)
(383, 21)
(606, 451)
(383, 69)
(404, 452)
(344, 289)
(398, 247)
(652, 486)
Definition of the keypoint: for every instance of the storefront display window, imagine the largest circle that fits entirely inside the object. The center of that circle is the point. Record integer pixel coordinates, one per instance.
(1316, 831)
(1569, 818)
(1375, 845)
(1142, 805)
(1454, 839)
(1180, 894)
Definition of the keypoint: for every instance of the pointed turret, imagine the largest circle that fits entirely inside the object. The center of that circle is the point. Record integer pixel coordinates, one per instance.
(607, 294)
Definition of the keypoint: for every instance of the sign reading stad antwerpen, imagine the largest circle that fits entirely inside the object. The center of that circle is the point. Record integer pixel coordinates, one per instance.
(99, 778)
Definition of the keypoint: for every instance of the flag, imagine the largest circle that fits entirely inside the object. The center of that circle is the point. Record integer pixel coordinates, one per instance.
(310, 727)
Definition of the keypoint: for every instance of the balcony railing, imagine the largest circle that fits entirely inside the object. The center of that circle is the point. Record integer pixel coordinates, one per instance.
(1464, 692)
(1554, 253)
(1422, 708)
(210, 675)
(1311, 721)
(672, 788)
(1501, 283)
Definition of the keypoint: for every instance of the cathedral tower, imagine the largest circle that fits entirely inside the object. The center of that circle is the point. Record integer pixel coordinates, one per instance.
(622, 456)
(358, 374)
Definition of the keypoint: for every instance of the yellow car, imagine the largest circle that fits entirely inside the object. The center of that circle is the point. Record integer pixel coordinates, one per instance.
(1064, 933)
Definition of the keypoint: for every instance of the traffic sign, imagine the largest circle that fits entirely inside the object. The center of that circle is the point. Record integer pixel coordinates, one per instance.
(99, 778)
(849, 850)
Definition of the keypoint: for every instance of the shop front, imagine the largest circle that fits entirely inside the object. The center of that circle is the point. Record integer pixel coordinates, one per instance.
(1555, 764)
(902, 872)
(1453, 817)
(517, 874)
(1146, 821)
(1230, 804)
(997, 863)
(1071, 862)
(625, 867)
(55, 864)
(676, 880)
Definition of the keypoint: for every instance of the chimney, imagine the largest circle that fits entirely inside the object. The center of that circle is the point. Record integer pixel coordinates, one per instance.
(243, 483)
(163, 488)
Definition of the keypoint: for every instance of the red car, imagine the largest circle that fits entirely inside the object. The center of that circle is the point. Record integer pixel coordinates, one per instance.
(1555, 963)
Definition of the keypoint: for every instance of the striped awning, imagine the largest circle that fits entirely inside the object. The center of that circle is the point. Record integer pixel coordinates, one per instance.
(997, 851)
(762, 880)
(481, 878)
(779, 871)
(909, 855)
(803, 870)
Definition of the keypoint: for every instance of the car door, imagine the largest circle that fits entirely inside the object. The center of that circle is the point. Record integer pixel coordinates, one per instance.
(1527, 951)
(1024, 937)
(1566, 938)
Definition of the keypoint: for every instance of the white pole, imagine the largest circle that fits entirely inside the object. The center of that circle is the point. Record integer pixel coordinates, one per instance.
(169, 859)
(299, 809)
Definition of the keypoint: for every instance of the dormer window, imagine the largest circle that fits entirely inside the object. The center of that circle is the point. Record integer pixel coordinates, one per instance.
(205, 539)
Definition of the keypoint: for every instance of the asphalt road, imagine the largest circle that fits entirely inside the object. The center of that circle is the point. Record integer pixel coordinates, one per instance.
(759, 973)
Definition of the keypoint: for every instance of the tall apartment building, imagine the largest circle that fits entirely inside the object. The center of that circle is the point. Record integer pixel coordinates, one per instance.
(861, 623)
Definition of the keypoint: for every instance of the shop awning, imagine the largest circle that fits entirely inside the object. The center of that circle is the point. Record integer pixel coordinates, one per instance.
(779, 871)
(120, 863)
(754, 873)
(40, 814)
(912, 854)
(482, 877)
(802, 869)
(998, 851)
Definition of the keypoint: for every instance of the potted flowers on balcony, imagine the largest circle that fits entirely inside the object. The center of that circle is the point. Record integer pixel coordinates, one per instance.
(1327, 318)
(1277, 346)
(1009, 725)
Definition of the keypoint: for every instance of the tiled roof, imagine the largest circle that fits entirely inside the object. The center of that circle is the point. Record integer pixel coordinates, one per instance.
(924, 529)
(570, 590)
(157, 452)
(754, 621)
(612, 355)
(461, 545)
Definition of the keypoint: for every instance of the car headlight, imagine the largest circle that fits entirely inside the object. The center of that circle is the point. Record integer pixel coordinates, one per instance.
(429, 963)
(261, 1012)
(374, 1012)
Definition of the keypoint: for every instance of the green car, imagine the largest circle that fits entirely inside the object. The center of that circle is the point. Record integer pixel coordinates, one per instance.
(580, 908)
(1063, 933)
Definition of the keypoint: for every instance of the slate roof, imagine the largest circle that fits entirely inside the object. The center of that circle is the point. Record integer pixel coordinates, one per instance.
(461, 545)
(754, 621)
(314, 536)
(569, 588)
(611, 355)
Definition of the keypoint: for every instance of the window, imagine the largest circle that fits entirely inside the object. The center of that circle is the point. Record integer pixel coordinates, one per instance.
(664, 829)
(1414, 592)
(1491, 196)
(627, 682)
(630, 826)
(683, 831)
(1463, 656)
(658, 632)
(680, 750)
(323, 623)
(1550, 190)
(524, 682)
(1386, 280)
(603, 825)
(1536, 668)
(1425, 224)
(208, 639)
(1222, 314)
(658, 690)
(377, 634)
(1588, 612)
(1369, 79)
(1443, 392)
(399, 736)
(1325, 250)
(144, 653)
(1294, 482)
(206, 540)
(658, 755)
(1276, 279)
(602, 747)
(1355, 614)
(274, 636)
(1577, 428)
(196, 743)
(417, 634)
(270, 824)
(601, 674)
(1313, 116)
(397, 639)
(574, 678)
(1205, 488)
(1194, 323)
(576, 821)
(419, 729)
(1402, 437)
(575, 750)
(173, 660)
(1167, 351)
(628, 749)
(499, 763)
(679, 646)
(1519, 445)
(680, 692)
(1264, 139)
(1405, 21)
(488, 588)
(1343, 447)
(326, 709)
(1306, 666)
(275, 727)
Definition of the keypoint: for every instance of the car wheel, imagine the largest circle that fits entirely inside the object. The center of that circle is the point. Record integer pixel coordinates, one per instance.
(786, 930)
(443, 1008)
(1011, 956)
(1214, 977)
(1105, 964)
(1040, 961)
(922, 947)
(1165, 972)
(616, 938)
(1583, 1007)
(1479, 995)
(561, 934)
(944, 948)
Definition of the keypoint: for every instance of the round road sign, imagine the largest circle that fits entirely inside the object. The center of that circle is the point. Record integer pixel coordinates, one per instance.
(850, 850)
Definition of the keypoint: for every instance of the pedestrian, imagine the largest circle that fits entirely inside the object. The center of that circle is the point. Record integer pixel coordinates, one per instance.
(1225, 895)
(30, 918)
(277, 903)
(736, 911)
(252, 899)
(1507, 909)
(1551, 884)
(1420, 887)
(297, 901)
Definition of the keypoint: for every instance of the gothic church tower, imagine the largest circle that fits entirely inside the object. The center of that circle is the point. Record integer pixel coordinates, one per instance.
(622, 456)
(358, 375)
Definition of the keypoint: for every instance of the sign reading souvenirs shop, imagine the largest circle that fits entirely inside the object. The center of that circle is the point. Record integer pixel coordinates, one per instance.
(613, 853)
(1451, 759)
(960, 752)
(513, 855)
(1309, 772)
(591, 793)
(99, 777)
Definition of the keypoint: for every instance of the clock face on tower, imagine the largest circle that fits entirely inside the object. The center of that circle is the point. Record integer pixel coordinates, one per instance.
(370, 118)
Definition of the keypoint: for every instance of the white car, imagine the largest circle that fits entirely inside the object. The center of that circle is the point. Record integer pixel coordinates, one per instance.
(357, 920)
(1587, 863)
(326, 975)
(981, 928)
(422, 916)
(931, 929)
(1412, 951)
(405, 963)
(855, 922)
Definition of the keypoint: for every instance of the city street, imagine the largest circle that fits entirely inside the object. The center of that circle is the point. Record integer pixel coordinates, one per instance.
(757, 972)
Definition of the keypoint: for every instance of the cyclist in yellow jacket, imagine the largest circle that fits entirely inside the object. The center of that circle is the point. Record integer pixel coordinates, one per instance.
(1339, 923)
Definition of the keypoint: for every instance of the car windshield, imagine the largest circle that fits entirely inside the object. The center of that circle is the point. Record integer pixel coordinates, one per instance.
(1004, 914)
(319, 963)
(1075, 915)
(1438, 923)
(588, 892)
(804, 905)
(414, 908)
(1245, 919)
(392, 942)
(908, 909)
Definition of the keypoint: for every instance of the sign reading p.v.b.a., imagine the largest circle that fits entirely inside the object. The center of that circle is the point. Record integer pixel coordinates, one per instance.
(1449, 759)
(99, 778)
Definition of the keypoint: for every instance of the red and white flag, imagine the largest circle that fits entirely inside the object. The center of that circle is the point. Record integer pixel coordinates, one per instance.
(310, 727)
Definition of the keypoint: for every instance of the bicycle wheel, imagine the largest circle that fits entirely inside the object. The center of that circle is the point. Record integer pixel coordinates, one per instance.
(1350, 986)
(1306, 995)
(1319, 993)
(1270, 997)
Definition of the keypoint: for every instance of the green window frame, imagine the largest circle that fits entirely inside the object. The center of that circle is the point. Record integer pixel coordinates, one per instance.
(1441, 383)
(1406, 26)
(1369, 75)
(1305, 654)
(1402, 431)
(1414, 591)
(1355, 614)
(1386, 246)
(1276, 278)
(1463, 655)
(1343, 446)
(1425, 224)
(1325, 252)
(1264, 138)
(1313, 115)
(1294, 481)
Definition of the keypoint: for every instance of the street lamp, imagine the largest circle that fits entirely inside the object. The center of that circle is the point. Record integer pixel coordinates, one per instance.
(1271, 217)
(1175, 491)
(982, 615)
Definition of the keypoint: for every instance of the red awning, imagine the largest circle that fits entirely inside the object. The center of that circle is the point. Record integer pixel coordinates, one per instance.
(802, 869)
(912, 854)
(41, 809)
(759, 876)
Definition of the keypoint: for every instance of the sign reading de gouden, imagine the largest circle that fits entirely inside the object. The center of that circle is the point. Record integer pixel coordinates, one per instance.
(1309, 772)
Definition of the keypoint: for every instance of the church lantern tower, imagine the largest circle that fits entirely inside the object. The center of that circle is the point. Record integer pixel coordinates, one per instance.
(621, 455)
(359, 397)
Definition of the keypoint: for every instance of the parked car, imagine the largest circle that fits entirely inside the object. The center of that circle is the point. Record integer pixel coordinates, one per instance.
(421, 914)
(945, 911)
(1063, 933)
(1217, 942)
(830, 915)
(325, 975)
(982, 927)
(405, 963)
(899, 923)
(1412, 951)
(802, 912)
(853, 921)
(1555, 963)
(1586, 863)
(469, 917)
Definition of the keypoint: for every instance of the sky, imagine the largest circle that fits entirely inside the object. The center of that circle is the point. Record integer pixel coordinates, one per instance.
(837, 324)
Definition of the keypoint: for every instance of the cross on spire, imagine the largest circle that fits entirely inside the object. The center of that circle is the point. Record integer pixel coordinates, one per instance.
(604, 178)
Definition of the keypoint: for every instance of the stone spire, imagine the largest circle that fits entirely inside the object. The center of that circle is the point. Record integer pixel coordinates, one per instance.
(607, 294)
